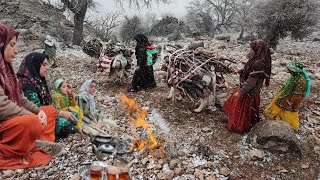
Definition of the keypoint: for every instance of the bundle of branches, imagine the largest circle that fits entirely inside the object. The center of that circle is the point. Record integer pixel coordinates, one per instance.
(193, 71)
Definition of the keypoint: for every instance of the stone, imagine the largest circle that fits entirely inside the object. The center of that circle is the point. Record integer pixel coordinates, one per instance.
(158, 167)
(205, 150)
(316, 112)
(145, 160)
(199, 174)
(167, 175)
(211, 165)
(283, 171)
(256, 154)
(305, 166)
(275, 136)
(178, 171)
(20, 171)
(8, 173)
(313, 120)
(173, 163)
(206, 129)
(33, 175)
(211, 178)
(75, 177)
(190, 171)
(224, 171)
(169, 25)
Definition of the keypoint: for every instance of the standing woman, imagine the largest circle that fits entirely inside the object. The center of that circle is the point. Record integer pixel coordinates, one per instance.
(143, 77)
(285, 105)
(21, 121)
(31, 74)
(243, 105)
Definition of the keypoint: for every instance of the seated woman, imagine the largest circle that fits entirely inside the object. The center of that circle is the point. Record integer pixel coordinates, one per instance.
(285, 105)
(86, 101)
(64, 100)
(31, 74)
(21, 121)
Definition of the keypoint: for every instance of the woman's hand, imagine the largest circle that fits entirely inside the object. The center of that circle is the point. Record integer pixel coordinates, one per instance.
(68, 115)
(43, 118)
(237, 94)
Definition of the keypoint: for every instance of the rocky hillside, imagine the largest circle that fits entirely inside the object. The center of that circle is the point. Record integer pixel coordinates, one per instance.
(34, 19)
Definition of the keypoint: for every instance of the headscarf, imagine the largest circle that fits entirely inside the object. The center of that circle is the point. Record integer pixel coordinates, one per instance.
(58, 97)
(84, 91)
(8, 81)
(299, 82)
(142, 40)
(29, 76)
(260, 62)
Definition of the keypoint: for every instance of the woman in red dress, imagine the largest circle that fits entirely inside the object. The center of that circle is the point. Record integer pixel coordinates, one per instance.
(243, 105)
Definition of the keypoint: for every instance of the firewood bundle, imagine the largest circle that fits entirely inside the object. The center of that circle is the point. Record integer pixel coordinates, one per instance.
(193, 71)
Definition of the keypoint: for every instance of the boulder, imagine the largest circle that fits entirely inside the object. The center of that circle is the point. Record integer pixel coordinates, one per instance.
(169, 25)
(275, 136)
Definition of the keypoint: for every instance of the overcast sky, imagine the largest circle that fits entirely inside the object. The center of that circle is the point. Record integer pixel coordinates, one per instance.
(177, 8)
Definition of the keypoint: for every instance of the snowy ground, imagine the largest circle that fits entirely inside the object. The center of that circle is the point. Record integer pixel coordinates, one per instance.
(201, 146)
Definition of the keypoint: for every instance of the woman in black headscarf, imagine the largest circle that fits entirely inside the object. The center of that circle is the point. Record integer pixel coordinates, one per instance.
(31, 74)
(143, 77)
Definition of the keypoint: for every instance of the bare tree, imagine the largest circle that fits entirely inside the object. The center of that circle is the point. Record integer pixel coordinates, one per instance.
(105, 24)
(150, 19)
(79, 9)
(212, 15)
(201, 16)
(130, 27)
(225, 11)
(244, 19)
(141, 3)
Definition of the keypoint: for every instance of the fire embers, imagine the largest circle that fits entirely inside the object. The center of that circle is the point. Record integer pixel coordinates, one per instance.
(142, 130)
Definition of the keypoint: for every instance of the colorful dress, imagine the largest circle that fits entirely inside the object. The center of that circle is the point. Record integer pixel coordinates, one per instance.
(19, 125)
(243, 109)
(285, 105)
(36, 90)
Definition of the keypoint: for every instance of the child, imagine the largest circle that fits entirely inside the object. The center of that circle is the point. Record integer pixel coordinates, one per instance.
(87, 103)
(64, 100)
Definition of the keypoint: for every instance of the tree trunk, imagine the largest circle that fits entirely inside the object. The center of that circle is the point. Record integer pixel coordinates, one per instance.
(78, 28)
(241, 34)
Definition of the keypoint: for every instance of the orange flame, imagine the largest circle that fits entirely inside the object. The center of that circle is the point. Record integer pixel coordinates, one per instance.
(137, 120)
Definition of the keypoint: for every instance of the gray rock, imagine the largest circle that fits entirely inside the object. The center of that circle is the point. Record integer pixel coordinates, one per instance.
(275, 136)
(8, 173)
(199, 174)
(211, 178)
(173, 163)
(178, 171)
(206, 129)
(256, 155)
(224, 171)
(167, 175)
(75, 177)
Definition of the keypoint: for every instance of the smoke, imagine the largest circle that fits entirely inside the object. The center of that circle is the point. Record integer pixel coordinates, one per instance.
(159, 121)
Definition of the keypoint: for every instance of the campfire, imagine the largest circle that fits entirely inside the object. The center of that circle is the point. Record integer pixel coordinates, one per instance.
(141, 129)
